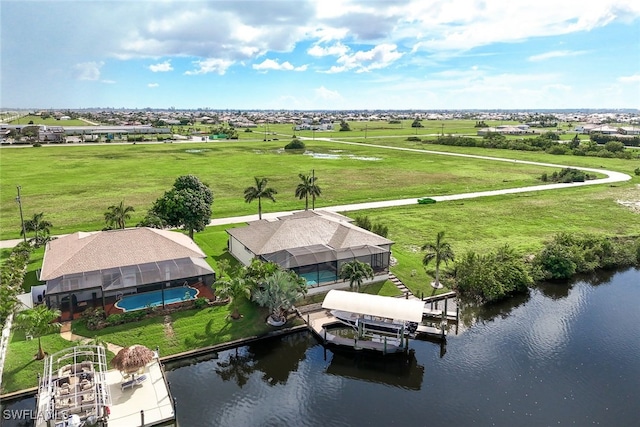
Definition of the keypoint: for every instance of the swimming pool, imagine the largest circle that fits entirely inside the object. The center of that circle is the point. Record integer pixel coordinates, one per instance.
(154, 298)
(316, 277)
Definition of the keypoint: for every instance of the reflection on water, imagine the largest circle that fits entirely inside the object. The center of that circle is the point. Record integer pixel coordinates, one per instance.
(398, 370)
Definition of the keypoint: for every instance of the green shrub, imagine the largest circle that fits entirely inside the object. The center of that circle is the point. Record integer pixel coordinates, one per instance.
(115, 319)
(414, 139)
(568, 254)
(200, 302)
(637, 171)
(492, 277)
(295, 144)
(93, 317)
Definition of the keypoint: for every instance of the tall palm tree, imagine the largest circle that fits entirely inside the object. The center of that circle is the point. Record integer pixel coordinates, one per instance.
(355, 272)
(40, 227)
(38, 321)
(439, 251)
(117, 215)
(259, 192)
(306, 188)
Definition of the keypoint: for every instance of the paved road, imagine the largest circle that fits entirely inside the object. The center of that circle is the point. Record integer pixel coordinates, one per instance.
(611, 177)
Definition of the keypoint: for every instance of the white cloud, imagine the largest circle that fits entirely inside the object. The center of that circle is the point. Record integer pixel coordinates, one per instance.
(87, 70)
(211, 65)
(337, 49)
(380, 56)
(326, 94)
(555, 54)
(270, 64)
(161, 67)
(152, 85)
(635, 78)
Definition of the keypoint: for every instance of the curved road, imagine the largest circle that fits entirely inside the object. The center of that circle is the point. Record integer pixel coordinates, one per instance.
(612, 176)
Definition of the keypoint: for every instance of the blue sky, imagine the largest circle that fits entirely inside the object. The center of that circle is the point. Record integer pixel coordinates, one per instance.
(296, 54)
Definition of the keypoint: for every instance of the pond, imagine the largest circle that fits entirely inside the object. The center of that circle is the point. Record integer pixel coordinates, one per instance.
(564, 354)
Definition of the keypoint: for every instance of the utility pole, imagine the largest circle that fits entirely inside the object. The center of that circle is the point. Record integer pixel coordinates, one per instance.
(19, 201)
(313, 194)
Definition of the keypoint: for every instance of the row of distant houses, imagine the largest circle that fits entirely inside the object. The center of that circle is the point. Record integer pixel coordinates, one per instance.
(523, 129)
(608, 130)
(58, 133)
(101, 269)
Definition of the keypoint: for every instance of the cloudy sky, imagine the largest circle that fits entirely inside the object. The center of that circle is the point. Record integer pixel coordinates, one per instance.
(324, 54)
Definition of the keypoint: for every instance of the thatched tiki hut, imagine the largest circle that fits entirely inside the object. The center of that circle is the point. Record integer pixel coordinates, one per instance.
(131, 359)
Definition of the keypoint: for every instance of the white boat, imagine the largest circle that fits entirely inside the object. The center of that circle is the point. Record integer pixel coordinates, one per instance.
(73, 391)
(366, 323)
(376, 318)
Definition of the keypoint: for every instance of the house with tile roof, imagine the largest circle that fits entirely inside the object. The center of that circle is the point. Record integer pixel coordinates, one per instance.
(97, 269)
(314, 244)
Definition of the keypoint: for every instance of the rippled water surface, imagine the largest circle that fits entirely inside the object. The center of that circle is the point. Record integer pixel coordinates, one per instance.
(563, 355)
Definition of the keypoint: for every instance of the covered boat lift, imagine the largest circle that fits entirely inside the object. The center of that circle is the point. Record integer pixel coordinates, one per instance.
(380, 322)
(374, 305)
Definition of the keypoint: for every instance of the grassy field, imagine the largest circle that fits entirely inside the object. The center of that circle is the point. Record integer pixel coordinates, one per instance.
(50, 121)
(73, 186)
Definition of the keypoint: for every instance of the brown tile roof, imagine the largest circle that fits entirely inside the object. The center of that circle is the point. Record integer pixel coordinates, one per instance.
(303, 229)
(84, 252)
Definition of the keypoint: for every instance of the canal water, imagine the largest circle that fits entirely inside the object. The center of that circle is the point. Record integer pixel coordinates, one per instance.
(562, 355)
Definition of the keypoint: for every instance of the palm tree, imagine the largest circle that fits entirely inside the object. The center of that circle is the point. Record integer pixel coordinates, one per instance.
(355, 272)
(37, 322)
(39, 226)
(306, 188)
(258, 192)
(235, 289)
(279, 292)
(438, 251)
(117, 215)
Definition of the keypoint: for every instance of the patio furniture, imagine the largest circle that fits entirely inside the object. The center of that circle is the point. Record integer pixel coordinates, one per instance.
(134, 382)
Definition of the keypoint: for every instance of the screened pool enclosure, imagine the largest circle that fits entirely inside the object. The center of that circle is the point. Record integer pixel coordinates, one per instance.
(320, 264)
(74, 292)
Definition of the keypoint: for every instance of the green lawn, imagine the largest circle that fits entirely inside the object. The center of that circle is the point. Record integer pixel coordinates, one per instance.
(21, 368)
(188, 329)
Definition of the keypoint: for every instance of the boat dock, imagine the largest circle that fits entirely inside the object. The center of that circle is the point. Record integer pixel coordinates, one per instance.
(319, 321)
(148, 403)
(437, 313)
(77, 389)
(444, 306)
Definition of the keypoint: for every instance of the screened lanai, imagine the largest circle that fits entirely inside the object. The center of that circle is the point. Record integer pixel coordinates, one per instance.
(84, 270)
(321, 263)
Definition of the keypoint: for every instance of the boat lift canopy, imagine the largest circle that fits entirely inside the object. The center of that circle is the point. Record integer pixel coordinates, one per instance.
(374, 305)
